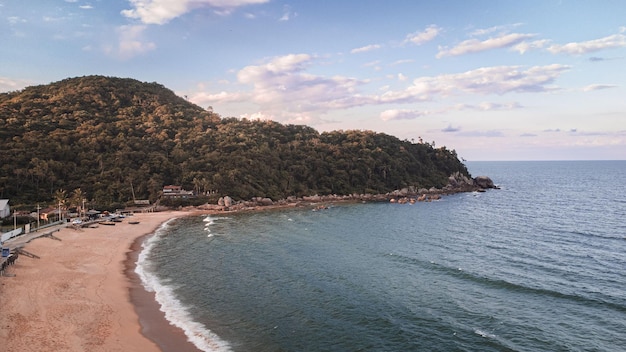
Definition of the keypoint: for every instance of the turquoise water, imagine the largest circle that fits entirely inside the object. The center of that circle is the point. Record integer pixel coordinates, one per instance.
(538, 265)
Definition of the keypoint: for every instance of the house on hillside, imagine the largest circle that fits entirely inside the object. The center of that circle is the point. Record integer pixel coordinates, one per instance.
(5, 210)
(176, 192)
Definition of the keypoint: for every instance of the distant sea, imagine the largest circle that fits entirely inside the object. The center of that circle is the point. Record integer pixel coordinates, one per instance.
(539, 265)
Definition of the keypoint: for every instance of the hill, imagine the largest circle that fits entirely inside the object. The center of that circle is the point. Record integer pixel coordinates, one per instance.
(117, 138)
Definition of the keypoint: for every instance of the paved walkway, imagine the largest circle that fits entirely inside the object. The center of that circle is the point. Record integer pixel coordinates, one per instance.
(20, 241)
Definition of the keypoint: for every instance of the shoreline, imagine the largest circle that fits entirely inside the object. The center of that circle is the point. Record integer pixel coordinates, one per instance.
(152, 320)
(83, 293)
(77, 274)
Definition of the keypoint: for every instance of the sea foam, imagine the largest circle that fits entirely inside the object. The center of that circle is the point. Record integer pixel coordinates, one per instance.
(175, 312)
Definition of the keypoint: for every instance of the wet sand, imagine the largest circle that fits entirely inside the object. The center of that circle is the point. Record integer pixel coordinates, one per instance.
(83, 295)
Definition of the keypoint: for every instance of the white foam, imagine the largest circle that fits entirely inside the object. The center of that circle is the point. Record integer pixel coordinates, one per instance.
(175, 312)
(484, 334)
(209, 220)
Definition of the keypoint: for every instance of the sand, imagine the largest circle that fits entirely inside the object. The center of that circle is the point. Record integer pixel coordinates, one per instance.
(77, 296)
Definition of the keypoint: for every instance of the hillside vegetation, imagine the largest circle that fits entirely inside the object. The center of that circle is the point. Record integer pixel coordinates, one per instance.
(112, 137)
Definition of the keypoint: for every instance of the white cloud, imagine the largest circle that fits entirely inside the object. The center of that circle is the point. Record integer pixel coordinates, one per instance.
(86, 7)
(612, 41)
(282, 81)
(222, 97)
(424, 36)
(402, 62)
(8, 84)
(486, 80)
(474, 45)
(488, 106)
(593, 87)
(287, 14)
(13, 20)
(256, 116)
(365, 49)
(485, 31)
(523, 47)
(406, 114)
(162, 11)
(488, 134)
(131, 42)
(282, 89)
(401, 114)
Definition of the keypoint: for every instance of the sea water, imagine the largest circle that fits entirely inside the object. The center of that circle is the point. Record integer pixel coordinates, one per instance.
(539, 265)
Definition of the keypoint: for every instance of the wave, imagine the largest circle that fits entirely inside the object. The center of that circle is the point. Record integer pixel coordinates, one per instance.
(597, 300)
(522, 288)
(175, 311)
(210, 220)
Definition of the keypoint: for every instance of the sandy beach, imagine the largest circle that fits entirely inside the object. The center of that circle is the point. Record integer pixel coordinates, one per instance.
(79, 295)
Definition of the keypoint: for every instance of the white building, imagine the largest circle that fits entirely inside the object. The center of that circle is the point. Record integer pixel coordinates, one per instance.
(5, 210)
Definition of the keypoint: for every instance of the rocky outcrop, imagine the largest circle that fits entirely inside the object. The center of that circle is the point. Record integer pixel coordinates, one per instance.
(484, 182)
(457, 183)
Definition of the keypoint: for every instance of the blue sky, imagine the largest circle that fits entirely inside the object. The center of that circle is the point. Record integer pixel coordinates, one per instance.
(494, 80)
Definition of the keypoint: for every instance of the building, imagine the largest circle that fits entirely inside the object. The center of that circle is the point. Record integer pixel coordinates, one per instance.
(5, 210)
(176, 192)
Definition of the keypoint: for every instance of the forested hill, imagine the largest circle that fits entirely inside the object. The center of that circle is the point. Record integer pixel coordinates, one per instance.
(110, 137)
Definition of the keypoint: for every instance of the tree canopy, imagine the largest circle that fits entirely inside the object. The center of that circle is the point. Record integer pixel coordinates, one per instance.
(115, 138)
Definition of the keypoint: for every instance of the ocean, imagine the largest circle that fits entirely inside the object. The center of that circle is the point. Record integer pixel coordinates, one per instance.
(538, 265)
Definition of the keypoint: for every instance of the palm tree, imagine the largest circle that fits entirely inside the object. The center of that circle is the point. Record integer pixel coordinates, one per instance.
(77, 200)
(60, 198)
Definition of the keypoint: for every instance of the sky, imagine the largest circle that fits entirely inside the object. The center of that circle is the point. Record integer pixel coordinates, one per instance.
(493, 80)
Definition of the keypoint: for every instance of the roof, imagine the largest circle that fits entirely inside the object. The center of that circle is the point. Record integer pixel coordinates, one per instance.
(4, 203)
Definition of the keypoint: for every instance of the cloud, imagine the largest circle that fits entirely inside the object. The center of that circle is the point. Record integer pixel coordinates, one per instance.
(282, 88)
(419, 38)
(287, 14)
(130, 42)
(402, 62)
(523, 47)
(256, 116)
(223, 97)
(8, 84)
(450, 129)
(401, 114)
(13, 20)
(86, 7)
(474, 45)
(488, 133)
(612, 41)
(487, 106)
(486, 80)
(163, 11)
(593, 87)
(364, 49)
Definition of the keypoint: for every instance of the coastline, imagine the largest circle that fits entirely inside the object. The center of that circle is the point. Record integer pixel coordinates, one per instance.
(81, 293)
(153, 323)
(84, 294)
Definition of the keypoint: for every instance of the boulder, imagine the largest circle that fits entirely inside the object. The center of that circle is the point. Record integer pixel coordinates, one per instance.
(265, 201)
(483, 182)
